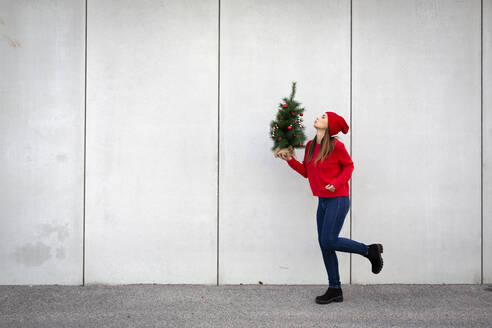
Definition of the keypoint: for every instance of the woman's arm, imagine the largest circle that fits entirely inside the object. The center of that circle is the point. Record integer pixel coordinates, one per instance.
(347, 167)
(300, 167)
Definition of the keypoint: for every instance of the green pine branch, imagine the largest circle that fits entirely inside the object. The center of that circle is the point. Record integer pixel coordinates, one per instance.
(290, 115)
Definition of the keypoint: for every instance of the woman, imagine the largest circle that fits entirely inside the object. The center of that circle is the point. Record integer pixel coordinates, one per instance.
(328, 167)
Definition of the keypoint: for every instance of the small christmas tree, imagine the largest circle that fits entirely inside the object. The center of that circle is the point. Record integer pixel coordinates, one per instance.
(287, 132)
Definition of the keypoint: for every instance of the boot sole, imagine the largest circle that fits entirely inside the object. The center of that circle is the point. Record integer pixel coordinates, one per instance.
(380, 250)
(335, 299)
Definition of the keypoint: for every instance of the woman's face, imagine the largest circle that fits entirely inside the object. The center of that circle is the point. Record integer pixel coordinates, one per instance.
(321, 122)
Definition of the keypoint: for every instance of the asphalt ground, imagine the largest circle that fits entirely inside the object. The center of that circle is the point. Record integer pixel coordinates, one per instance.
(158, 305)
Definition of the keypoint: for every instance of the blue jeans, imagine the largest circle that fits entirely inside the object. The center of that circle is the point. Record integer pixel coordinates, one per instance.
(330, 217)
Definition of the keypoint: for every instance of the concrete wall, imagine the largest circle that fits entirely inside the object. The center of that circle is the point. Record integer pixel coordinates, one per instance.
(41, 141)
(267, 221)
(416, 138)
(151, 211)
(155, 167)
(487, 142)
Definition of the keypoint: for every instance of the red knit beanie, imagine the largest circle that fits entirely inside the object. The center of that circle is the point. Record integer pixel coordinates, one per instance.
(336, 123)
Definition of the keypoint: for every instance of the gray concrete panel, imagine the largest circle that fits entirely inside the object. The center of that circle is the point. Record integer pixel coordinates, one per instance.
(267, 211)
(487, 141)
(416, 139)
(41, 141)
(152, 84)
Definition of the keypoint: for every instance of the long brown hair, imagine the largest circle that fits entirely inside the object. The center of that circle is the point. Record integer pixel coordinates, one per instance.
(327, 146)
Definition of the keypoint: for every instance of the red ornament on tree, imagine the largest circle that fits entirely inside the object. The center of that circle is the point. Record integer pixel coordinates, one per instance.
(301, 114)
(287, 125)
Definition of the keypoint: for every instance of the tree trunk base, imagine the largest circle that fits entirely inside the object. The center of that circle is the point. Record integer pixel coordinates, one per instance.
(289, 150)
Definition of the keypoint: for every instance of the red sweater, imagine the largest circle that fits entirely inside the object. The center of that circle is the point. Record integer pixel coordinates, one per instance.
(336, 170)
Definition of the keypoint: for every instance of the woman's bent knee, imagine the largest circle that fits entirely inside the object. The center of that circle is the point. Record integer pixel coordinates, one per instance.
(328, 244)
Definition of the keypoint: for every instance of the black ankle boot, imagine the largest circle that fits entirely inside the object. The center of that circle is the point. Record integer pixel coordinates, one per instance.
(374, 255)
(331, 295)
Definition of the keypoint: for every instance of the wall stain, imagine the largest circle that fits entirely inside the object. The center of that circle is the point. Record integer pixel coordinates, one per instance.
(426, 10)
(2, 22)
(12, 43)
(61, 157)
(60, 253)
(33, 254)
(46, 229)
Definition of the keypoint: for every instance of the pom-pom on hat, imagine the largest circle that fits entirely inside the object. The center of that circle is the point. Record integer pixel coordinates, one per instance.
(336, 123)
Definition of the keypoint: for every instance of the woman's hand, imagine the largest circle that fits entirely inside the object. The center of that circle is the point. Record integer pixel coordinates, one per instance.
(286, 156)
(330, 188)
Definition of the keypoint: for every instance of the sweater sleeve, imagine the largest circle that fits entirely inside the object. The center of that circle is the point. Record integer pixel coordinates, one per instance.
(299, 167)
(347, 168)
